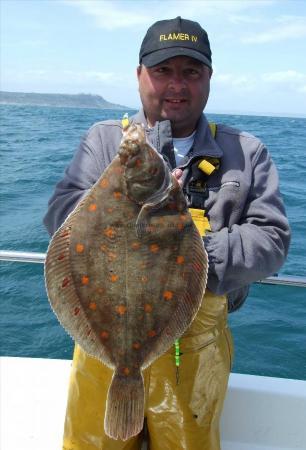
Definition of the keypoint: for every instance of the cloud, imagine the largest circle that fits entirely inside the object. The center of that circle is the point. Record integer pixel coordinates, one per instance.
(242, 19)
(71, 77)
(112, 15)
(239, 82)
(100, 76)
(290, 79)
(287, 80)
(284, 76)
(284, 28)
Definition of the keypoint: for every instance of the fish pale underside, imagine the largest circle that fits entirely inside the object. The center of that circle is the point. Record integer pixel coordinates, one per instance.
(126, 273)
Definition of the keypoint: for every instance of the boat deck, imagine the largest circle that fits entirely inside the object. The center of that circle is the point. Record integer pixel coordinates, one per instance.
(260, 413)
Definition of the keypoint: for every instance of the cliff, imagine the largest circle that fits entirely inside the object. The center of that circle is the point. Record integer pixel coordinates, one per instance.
(58, 100)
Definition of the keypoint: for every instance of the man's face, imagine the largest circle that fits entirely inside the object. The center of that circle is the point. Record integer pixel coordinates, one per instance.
(177, 90)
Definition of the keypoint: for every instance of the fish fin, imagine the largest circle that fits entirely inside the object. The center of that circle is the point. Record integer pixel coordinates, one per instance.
(190, 300)
(124, 413)
(169, 189)
(64, 301)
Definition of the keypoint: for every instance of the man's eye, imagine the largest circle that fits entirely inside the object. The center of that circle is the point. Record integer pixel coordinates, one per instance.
(161, 69)
(193, 72)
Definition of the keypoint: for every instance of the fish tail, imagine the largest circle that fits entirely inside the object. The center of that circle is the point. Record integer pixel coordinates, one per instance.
(124, 407)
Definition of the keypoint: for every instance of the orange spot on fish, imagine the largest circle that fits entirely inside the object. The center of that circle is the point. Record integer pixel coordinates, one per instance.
(76, 311)
(114, 278)
(85, 279)
(148, 308)
(168, 295)
(136, 345)
(104, 183)
(61, 256)
(183, 217)
(110, 210)
(65, 282)
(117, 195)
(121, 309)
(104, 334)
(93, 306)
(126, 371)
(79, 248)
(109, 232)
(151, 333)
(92, 207)
(135, 245)
(154, 248)
(180, 259)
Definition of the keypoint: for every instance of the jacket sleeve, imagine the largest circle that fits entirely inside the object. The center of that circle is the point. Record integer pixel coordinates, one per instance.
(257, 246)
(83, 171)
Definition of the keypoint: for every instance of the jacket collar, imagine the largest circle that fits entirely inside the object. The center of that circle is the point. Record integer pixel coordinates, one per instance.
(160, 137)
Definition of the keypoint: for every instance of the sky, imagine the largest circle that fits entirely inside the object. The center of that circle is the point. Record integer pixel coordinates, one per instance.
(92, 46)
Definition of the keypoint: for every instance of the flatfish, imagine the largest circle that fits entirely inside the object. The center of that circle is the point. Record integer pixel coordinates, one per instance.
(126, 273)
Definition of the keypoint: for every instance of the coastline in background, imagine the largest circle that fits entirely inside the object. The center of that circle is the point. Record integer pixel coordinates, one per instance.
(58, 100)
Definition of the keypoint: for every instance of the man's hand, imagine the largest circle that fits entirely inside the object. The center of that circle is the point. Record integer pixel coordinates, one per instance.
(178, 175)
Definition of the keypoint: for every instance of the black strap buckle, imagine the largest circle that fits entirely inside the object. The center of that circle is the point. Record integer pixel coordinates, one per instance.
(196, 192)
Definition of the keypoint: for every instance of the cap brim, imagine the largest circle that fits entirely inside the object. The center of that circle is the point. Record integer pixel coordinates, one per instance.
(157, 57)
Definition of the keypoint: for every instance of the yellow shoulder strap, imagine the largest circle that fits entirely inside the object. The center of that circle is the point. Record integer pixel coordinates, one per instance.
(125, 121)
(213, 129)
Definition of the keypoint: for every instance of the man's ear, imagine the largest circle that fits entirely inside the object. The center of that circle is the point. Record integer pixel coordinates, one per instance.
(138, 71)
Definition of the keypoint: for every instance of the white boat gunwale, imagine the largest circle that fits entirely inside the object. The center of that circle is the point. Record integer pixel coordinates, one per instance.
(260, 413)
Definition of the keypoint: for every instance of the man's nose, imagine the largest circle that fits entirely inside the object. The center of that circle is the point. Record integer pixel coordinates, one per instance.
(177, 81)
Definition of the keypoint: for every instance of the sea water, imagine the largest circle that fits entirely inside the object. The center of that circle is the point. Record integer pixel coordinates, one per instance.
(37, 143)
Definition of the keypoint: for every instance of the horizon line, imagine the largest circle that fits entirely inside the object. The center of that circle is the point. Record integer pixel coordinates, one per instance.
(213, 111)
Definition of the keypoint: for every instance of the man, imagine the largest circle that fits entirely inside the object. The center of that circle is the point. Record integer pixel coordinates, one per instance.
(247, 237)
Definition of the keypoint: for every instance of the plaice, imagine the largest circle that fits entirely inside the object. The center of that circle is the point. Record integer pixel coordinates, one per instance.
(126, 273)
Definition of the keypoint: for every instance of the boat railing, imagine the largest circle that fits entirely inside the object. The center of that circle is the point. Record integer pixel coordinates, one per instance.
(34, 257)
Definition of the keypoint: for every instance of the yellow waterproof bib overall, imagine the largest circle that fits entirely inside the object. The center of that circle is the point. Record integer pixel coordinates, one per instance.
(183, 416)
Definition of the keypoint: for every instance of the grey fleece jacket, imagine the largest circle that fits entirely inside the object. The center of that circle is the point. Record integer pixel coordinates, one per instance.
(250, 232)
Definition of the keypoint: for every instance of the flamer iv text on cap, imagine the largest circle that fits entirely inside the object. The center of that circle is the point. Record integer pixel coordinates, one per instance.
(175, 37)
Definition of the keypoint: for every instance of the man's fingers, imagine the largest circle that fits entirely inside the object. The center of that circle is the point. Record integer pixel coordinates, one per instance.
(178, 174)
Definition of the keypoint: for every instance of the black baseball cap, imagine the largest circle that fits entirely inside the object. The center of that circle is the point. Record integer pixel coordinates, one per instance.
(175, 37)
